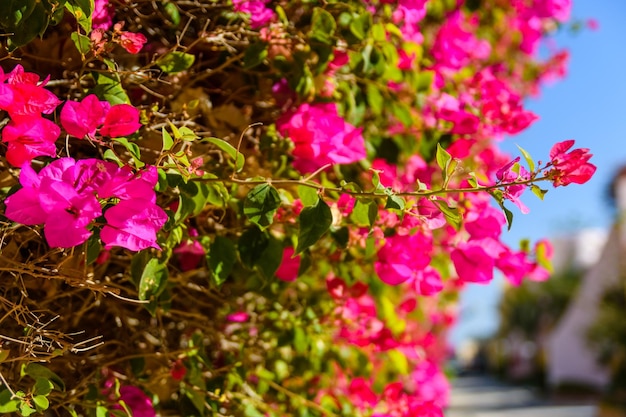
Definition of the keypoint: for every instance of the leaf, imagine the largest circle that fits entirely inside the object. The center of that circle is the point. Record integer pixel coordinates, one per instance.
(82, 42)
(323, 26)
(8, 405)
(443, 159)
(374, 99)
(364, 213)
(528, 158)
(133, 149)
(360, 25)
(41, 402)
(152, 282)
(539, 192)
(314, 222)
(82, 10)
(450, 213)
(109, 87)
(251, 244)
(168, 142)
(308, 196)
(395, 202)
(32, 22)
(221, 258)
(42, 386)
(4, 354)
(254, 55)
(230, 150)
(261, 204)
(175, 61)
(171, 11)
(36, 371)
(271, 258)
(509, 216)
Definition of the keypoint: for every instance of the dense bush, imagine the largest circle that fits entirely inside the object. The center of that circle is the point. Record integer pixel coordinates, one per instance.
(258, 208)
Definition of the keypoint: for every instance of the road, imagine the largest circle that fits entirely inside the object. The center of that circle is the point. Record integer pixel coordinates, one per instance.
(478, 396)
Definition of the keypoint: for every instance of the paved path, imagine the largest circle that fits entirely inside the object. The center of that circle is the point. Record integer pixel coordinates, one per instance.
(486, 397)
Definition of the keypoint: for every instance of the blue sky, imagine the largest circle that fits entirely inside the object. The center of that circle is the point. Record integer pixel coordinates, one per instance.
(589, 105)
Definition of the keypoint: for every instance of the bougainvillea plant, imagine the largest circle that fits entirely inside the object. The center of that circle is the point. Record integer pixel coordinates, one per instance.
(259, 208)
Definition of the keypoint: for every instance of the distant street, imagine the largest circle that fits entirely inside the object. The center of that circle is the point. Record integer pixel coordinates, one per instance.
(479, 396)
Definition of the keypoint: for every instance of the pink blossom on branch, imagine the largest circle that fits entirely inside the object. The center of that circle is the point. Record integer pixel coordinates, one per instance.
(29, 137)
(321, 136)
(82, 118)
(570, 167)
(260, 14)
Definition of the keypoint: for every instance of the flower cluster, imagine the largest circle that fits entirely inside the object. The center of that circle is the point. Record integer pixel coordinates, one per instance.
(67, 196)
(321, 137)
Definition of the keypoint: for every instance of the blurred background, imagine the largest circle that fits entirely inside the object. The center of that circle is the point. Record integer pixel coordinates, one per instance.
(567, 334)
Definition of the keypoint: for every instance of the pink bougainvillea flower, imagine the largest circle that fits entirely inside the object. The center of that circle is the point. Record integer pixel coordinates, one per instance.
(260, 14)
(29, 137)
(102, 16)
(132, 42)
(189, 254)
(361, 393)
(28, 95)
(396, 264)
(238, 317)
(472, 263)
(139, 403)
(570, 167)
(321, 136)
(133, 224)
(82, 118)
(510, 173)
(289, 265)
(120, 120)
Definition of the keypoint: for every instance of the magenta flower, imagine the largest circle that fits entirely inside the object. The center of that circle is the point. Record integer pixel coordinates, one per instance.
(260, 14)
(132, 42)
(570, 167)
(66, 197)
(120, 120)
(289, 265)
(29, 137)
(28, 97)
(396, 264)
(138, 402)
(102, 16)
(81, 119)
(133, 224)
(321, 136)
(472, 263)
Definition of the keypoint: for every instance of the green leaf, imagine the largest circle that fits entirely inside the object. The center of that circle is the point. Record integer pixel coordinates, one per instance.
(271, 258)
(168, 142)
(8, 405)
(112, 156)
(26, 410)
(308, 196)
(528, 158)
(4, 354)
(450, 213)
(261, 204)
(230, 150)
(102, 411)
(424, 80)
(314, 222)
(364, 213)
(251, 244)
(133, 149)
(509, 216)
(374, 99)
(30, 23)
(175, 61)
(36, 371)
(221, 258)
(82, 10)
(539, 192)
(300, 341)
(443, 159)
(323, 26)
(360, 25)
(254, 55)
(82, 42)
(109, 87)
(395, 202)
(402, 112)
(43, 386)
(171, 11)
(41, 402)
(152, 282)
